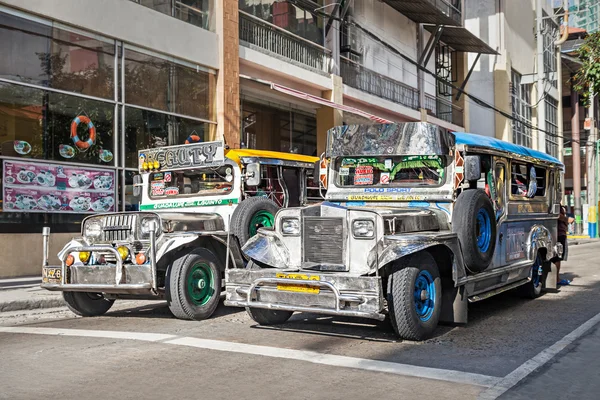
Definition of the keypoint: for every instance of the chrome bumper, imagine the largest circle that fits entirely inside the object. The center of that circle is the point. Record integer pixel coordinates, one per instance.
(109, 278)
(337, 294)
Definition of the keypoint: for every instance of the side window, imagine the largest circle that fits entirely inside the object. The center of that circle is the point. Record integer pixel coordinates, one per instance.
(527, 180)
(499, 189)
(518, 180)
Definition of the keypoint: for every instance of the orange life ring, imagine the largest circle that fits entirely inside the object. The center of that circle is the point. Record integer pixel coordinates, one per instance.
(193, 139)
(81, 144)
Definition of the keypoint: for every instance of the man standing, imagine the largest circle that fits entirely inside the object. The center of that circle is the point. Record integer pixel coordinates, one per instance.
(563, 228)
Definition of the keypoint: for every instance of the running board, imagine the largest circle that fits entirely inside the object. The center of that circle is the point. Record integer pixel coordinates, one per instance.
(485, 295)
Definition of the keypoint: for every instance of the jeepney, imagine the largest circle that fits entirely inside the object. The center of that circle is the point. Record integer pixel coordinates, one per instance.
(417, 222)
(199, 203)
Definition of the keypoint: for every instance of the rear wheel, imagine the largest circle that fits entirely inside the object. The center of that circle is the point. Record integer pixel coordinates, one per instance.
(533, 288)
(193, 286)
(268, 317)
(87, 304)
(414, 298)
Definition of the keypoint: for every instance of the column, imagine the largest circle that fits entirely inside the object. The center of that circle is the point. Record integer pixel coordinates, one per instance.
(328, 117)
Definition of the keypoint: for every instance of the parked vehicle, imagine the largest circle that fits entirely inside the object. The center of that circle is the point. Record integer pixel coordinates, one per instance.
(417, 223)
(198, 200)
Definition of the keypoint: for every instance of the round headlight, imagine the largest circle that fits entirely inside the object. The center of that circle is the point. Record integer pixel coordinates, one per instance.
(290, 226)
(363, 229)
(93, 229)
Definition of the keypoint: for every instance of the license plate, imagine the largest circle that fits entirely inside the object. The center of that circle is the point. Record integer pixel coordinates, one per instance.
(51, 274)
(298, 288)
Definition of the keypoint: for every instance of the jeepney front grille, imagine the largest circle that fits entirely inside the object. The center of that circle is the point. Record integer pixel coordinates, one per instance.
(117, 227)
(323, 240)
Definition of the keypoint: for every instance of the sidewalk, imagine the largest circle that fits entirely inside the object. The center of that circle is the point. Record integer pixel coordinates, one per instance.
(28, 298)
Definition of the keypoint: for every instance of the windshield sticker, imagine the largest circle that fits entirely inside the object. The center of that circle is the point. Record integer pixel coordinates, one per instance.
(158, 191)
(191, 203)
(384, 178)
(388, 163)
(158, 185)
(363, 179)
(172, 191)
(388, 190)
(344, 171)
(363, 170)
(366, 197)
(159, 176)
(168, 177)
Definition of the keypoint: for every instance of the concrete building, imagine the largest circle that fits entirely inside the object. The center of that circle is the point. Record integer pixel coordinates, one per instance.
(258, 73)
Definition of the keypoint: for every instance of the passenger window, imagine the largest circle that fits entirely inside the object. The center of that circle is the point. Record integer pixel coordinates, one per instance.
(527, 180)
(500, 189)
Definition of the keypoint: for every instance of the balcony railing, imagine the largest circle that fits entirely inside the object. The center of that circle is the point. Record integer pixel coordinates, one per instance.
(361, 78)
(444, 110)
(257, 32)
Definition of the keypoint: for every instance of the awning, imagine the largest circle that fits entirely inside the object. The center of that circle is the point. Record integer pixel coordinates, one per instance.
(427, 11)
(324, 102)
(461, 39)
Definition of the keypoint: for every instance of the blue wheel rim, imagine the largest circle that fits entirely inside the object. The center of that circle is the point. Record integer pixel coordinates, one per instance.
(484, 230)
(536, 272)
(424, 295)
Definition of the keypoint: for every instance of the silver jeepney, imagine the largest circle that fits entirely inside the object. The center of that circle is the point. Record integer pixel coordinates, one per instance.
(352, 254)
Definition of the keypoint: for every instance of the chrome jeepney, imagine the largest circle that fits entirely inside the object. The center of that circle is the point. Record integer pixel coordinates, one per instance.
(416, 223)
(197, 201)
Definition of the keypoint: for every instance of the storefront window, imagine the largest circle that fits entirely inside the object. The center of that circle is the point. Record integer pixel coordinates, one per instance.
(303, 22)
(146, 129)
(55, 58)
(164, 85)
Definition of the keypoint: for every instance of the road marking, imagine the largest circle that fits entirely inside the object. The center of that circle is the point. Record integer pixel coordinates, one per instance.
(510, 380)
(275, 352)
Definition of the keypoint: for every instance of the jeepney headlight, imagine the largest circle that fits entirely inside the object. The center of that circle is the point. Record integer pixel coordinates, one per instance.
(290, 226)
(363, 229)
(93, 229)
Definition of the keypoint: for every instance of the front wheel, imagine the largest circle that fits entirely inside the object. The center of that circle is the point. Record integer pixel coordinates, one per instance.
(268, 317)
(193, 285)
(414, 298)
(87, 304)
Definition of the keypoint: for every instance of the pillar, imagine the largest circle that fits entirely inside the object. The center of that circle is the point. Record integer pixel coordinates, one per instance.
(328, 117)
(462, 69)
(228, 78)
(576, 159)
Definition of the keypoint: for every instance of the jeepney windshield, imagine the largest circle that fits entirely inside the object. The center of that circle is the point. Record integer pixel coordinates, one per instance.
(390, 171)
(188, 183)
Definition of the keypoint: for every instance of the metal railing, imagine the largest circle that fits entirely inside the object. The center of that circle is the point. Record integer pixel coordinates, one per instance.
(444, 110)
(361, 78)
(260, 33)
(452, 8)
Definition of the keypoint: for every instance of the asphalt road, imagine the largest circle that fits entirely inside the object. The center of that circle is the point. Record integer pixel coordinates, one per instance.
(513, 348)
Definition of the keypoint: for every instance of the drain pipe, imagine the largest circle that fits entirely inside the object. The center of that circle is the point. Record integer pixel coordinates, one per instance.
(565, 25)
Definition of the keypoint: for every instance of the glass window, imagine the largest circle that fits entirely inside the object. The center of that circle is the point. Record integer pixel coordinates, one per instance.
(551, 126)
(164, 85)
(55, 58)
(147, 129)
(521, 111)
(40, 124)
(527, 180)
(132, 203)
(390, 171)
(201, 182)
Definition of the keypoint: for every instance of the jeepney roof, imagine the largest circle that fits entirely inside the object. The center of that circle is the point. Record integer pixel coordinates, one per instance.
(473, 141)
(238, 154)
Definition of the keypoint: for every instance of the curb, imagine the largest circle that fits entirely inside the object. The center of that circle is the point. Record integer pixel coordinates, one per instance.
(32, 304)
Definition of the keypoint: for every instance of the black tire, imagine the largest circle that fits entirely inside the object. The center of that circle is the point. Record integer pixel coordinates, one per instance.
(268, 317)
(474, 222)
(409, 321)
(186, 298)
(243, 220)
(533, 289)
(87, 304)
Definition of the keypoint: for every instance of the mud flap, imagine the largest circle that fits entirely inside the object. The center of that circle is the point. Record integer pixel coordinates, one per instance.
(551, 283)
(454, 303)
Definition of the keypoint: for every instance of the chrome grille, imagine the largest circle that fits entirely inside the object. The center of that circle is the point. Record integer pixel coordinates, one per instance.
(117, 227)
(323, 240)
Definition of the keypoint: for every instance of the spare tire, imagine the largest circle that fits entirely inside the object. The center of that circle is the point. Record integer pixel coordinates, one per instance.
(474, 222)
(250, 215)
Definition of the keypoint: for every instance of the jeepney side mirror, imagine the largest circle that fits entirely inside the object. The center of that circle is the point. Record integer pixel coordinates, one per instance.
(253, 174)
(316, 172)
(472, 168)
(137, 185)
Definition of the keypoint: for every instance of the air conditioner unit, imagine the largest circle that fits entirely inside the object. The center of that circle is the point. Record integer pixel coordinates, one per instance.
(350, 44)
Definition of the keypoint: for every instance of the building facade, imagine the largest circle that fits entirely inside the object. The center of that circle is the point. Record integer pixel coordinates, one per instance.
(84, 85)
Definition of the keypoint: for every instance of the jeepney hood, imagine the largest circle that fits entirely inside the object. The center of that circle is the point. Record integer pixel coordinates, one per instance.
(185, 222)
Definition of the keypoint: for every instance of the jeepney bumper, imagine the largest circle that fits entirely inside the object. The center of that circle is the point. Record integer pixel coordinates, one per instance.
(279, 289)
(113, 278)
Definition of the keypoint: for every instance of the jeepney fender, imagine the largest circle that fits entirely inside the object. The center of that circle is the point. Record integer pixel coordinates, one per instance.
(394, 247)
(75, 242)
(267, 248)
(172, 243)
(539, 238)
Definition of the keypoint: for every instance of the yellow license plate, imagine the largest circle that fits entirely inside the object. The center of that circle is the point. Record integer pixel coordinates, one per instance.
(298, 288)
(50, 274)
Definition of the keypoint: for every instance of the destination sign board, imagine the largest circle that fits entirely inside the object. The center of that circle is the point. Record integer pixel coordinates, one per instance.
(186, 156)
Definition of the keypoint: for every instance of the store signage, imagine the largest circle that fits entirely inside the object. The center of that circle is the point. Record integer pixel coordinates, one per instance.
(193, 155)
(52, 188)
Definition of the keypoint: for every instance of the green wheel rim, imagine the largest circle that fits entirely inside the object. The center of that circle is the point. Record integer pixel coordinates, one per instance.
(200, 284)
(262, 219)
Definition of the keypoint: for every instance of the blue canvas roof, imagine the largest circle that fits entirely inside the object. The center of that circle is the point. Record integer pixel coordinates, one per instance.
(471, 139)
